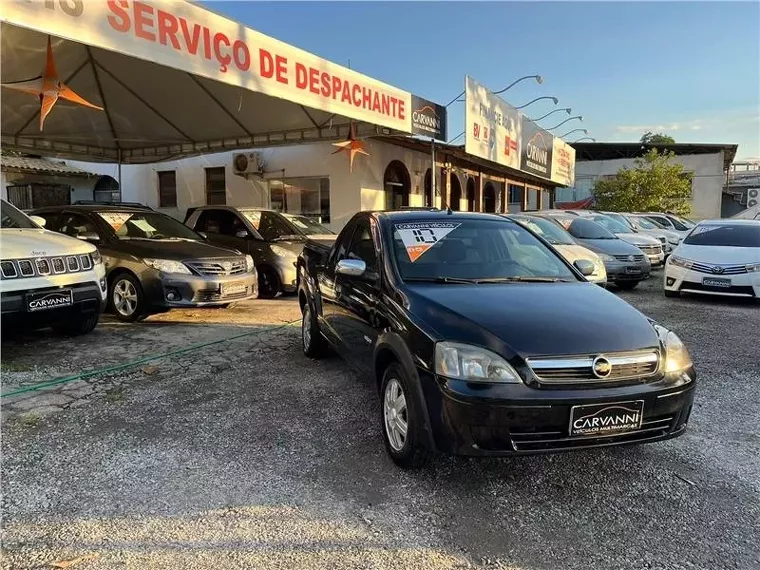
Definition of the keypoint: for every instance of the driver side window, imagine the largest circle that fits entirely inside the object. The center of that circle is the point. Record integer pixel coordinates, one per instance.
(363, 246)
(76, 225)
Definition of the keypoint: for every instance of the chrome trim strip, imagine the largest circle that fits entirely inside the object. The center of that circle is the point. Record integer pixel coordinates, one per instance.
(575, 365)
(673, 393)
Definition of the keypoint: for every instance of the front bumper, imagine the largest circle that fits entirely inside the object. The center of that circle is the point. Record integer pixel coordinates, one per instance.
(287, 273)
(516, 419)
(88, 297)
(680, 279)
(180, 290)
(656, 259)
(625, 271)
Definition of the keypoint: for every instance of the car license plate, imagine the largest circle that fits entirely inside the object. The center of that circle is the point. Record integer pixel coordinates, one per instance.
(606, 419)
(233, 289)
(49, 300)
(632, 270)
(716, 282)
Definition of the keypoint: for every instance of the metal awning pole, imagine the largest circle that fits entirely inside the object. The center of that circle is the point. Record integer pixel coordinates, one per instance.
(119, 174)
(432, 172)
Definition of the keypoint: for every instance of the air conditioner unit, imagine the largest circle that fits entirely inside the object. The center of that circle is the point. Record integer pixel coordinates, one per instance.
(244, 163)
(753, 197)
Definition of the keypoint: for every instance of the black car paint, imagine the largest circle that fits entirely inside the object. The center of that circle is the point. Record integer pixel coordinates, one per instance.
(122, 255)
(374, 320)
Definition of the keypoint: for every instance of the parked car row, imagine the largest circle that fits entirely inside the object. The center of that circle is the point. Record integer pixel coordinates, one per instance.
(150, 261)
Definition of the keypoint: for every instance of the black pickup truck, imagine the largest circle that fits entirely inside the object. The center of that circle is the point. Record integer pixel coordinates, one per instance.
(483, 340)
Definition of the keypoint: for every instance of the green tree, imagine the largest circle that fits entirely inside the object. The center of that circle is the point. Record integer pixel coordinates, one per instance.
(653, 185)
(657, 138)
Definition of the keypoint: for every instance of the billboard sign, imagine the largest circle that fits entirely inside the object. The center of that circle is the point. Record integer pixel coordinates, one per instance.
(428, 119)
(492, 126)
(537, 150)
(563, 163)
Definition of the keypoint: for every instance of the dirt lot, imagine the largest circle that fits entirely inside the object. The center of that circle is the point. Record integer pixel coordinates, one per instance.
(244, 454)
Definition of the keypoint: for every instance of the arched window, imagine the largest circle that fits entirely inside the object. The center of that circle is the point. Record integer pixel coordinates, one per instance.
(455, 192)
(397, 184)
(470, 194)
(489, 198)
(106, 190)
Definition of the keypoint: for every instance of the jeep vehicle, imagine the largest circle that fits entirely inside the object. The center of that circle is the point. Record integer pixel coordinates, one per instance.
(47, 279)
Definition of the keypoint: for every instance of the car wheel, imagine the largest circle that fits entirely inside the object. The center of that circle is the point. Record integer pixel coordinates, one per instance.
(127, 299)
(82, 324)
(669, 293)
(314, 344)
(627, 285)
(401, 420)
(269, 283)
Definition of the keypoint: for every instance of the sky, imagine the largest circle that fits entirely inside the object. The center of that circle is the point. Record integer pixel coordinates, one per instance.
(688, 69)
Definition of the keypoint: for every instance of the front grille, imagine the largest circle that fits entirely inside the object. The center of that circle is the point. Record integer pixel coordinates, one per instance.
(229, 266)
(43, 266)
(727, 269)
(630, 258)
(651, 249)
(579, 369)
(210, 295)
(745, 290)
(547, 439)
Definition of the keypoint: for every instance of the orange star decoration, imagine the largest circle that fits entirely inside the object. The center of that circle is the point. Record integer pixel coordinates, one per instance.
(352, 146)
(49, 88)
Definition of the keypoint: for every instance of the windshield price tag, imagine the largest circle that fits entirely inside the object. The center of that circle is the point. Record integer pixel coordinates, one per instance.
(254, 218)
(115, 219)
(418, 238)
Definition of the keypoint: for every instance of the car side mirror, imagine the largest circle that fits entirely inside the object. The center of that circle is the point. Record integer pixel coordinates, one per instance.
(89, 236)
(39, 220)
(584, 266)
(351, 267)
(241, 233)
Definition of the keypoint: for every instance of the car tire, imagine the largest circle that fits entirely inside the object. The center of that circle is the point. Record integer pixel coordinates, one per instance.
(269, 283)
(126, 298)
(627, 285)
(313, 343)
(408, 451)
(671, 294)
(80, 325)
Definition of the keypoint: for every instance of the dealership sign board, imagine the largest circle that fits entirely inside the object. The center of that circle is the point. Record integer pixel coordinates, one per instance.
(428, 119)
(185, 36)
(496, 131)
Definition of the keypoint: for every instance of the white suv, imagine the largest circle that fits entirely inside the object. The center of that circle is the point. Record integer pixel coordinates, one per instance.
(48, 279)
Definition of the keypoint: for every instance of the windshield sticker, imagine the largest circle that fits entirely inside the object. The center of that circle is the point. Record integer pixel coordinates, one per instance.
(254, 218)
(144, 226)
(115, 219)
(418, 238)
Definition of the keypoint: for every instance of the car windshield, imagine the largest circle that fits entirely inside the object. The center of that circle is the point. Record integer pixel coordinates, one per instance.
(610, 223)
(307, 226)
(547, 229)
(474, 251)
(726, 235)
(588, 229)
(13, 218)
(659, 223)
(646, 223)
(147, 225)
(681, 224)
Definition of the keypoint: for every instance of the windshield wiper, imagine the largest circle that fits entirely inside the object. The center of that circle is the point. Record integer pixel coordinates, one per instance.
(519, 279)
(289, 237)
(442, 280)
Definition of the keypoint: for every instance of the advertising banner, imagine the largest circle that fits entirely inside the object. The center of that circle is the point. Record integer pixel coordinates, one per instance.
(428, 119)
(185, 36)
(563, 163)
(492, 126)
(536, 151)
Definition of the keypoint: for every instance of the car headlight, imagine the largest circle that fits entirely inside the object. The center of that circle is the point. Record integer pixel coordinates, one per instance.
(679, 261)
(280, 251)
(677, 357)
(97, 259)
(167, 265)
(753, 267)
(606, 258)
(249, 266)
(473, 364)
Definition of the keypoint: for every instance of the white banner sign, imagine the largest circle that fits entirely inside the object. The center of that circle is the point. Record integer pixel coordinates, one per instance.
(187, 37)
(492, 126)
(563, 163)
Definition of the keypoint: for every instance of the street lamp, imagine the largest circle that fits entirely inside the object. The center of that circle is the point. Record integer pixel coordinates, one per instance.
(579, 117)
(538, 99)
(584, 131)
(538, 79)
(567, 109)
(585, 138)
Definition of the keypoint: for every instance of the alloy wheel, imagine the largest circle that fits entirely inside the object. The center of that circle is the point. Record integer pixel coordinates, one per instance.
(395, 414)
(125, 297)
(306, 328)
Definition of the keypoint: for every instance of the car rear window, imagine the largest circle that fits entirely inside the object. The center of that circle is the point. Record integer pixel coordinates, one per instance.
(728, 235)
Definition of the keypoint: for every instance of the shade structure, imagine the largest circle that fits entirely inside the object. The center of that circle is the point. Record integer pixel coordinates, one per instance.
(174, 80)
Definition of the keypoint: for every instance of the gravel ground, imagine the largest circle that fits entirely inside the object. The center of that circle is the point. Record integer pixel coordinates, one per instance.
(246, 455)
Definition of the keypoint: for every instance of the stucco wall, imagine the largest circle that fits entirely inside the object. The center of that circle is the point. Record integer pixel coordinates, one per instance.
(81, 188)
(707, 183)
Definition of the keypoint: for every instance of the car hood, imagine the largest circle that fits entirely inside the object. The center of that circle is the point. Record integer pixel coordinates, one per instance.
(32, 242)
(575, 252)
(638, 239)
(177, 250)
(533, 319)
(718, 255)
(610, 246)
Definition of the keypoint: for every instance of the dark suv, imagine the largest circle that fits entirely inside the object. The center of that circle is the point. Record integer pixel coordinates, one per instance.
(153, 262)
